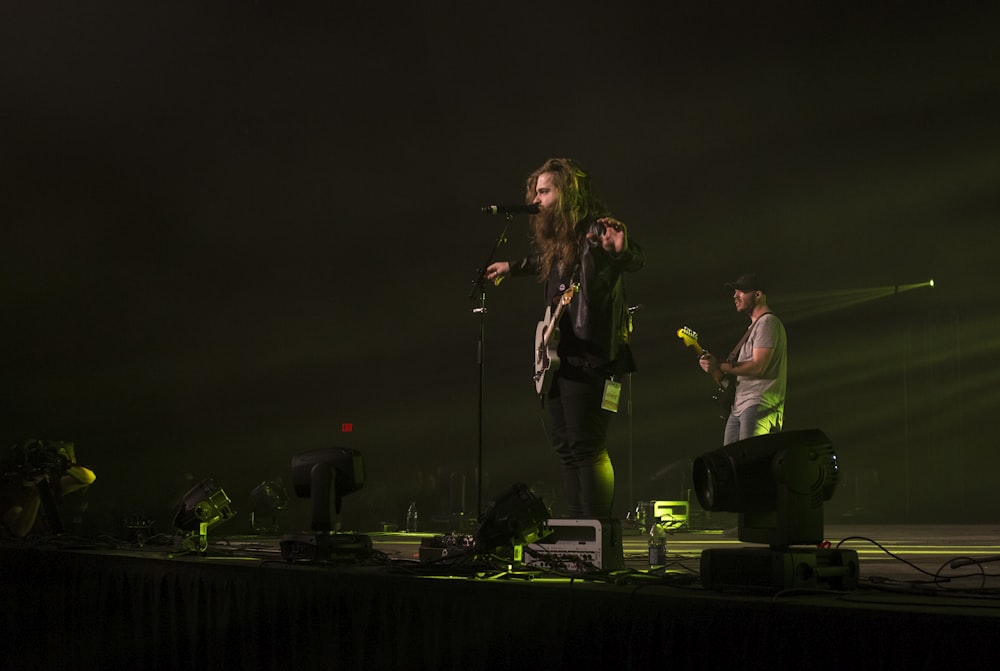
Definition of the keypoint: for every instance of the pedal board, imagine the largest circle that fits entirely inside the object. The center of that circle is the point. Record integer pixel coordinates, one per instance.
(440, 548)
(578, 546)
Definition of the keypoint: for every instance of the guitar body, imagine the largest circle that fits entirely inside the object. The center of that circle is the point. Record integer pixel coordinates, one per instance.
(547, 343)
(546, 353)
(725, 394)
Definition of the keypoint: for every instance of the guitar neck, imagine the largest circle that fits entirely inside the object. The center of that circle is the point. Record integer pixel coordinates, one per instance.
(551, 327)
(690, 339)
(560, 305)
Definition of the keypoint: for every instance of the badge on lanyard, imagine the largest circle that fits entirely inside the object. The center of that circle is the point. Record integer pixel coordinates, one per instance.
(612, 392)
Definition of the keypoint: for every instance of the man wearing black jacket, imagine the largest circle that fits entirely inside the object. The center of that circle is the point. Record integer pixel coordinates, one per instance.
(581, 257)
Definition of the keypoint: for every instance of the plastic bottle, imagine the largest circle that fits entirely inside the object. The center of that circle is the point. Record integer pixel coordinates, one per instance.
(412, 518)
(657, 545)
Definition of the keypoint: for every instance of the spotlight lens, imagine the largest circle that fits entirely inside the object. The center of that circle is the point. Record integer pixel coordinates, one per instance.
(704, 480)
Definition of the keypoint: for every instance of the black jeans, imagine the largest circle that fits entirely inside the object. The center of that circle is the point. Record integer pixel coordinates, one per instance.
(579, 430)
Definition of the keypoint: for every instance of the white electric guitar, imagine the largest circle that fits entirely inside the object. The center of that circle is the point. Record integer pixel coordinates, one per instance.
(547, 342)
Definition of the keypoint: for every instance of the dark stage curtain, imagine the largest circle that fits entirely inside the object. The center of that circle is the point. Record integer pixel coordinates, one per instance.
(117, 611)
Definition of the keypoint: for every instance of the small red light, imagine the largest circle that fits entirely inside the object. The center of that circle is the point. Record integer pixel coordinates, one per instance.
(346, 427)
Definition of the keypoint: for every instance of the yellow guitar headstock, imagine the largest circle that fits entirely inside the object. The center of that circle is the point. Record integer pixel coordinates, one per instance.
(690, 338)
(568, 294)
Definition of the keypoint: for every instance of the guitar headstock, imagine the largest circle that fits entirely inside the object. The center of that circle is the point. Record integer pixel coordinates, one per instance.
(690, 338)
(568, 294)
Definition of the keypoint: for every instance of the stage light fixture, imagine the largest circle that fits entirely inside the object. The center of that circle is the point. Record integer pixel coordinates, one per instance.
(266, 500)
(514, 519)
(326, 476)
(777, 484)
(203, 507)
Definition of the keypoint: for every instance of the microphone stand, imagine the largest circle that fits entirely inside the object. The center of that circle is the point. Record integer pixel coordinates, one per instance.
(479, 287)
(631, 500)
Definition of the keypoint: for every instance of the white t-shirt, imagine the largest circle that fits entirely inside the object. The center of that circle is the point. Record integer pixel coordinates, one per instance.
(768, 390)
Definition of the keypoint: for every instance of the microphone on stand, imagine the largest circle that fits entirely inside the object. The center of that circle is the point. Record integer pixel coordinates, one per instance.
(510, 209)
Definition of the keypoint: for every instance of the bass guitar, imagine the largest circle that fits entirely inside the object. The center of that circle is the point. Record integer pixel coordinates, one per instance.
(547, 342)
(725, 390)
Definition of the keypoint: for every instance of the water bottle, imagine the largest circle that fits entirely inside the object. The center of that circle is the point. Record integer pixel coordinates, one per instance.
(412, 517)
(657, 545)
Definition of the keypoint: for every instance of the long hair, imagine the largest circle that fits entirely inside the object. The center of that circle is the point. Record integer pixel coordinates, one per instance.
(557, 233)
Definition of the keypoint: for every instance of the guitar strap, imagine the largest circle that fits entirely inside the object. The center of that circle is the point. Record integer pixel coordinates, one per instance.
(736, 350)
(574, 279)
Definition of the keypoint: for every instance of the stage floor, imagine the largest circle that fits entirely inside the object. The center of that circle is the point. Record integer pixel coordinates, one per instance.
(944, 559)
(894, 552)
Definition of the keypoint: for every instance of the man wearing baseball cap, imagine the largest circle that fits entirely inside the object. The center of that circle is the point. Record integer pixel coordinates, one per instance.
(755, 372)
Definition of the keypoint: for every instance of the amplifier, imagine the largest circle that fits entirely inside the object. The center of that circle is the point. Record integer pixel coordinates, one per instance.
(578, 545)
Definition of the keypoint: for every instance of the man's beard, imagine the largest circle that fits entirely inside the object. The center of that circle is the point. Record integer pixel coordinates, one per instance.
(746, 305)
(545, 225)
(555, 238)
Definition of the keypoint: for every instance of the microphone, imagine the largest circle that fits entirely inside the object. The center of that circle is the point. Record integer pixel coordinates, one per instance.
(510, 209)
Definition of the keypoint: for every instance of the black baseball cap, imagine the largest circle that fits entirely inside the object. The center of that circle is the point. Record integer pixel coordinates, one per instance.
(747, 282)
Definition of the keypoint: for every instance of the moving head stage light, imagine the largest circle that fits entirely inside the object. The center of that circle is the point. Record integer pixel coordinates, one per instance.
(266, 500)
(204, 506)
(515, 518)
(36, 457)
(777, 484)
(326, 476)
(46, 464)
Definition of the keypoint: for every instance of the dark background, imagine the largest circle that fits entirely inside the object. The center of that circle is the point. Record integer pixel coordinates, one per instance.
(231, 228)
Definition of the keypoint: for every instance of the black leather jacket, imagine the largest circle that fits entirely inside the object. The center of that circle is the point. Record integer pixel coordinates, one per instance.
(593, 330)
